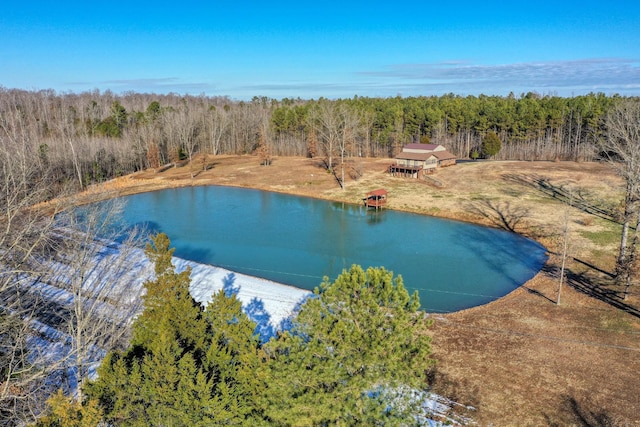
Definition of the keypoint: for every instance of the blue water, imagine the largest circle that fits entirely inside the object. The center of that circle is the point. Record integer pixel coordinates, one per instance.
(298, 240)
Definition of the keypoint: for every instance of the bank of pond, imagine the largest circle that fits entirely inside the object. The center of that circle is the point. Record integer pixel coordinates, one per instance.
(298, 241)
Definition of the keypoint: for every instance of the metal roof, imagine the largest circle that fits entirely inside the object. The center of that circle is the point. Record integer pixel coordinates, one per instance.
(415, 156)
(443, 155)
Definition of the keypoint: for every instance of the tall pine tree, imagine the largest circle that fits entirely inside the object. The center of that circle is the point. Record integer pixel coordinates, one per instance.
(355, 342)
(185, 365)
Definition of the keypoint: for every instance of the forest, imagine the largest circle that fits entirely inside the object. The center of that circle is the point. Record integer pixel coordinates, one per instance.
(79, 139)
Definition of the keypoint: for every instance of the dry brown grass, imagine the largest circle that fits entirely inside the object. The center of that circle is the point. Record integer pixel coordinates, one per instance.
(521, 360)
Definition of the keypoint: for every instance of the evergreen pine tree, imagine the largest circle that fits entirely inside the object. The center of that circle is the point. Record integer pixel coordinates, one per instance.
(185, 365)
(491, 145)
(168, 304)
(64, 411)
(355, 341)
(233, 357)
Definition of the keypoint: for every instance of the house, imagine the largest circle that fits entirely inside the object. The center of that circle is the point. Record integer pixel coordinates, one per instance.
(417, 159)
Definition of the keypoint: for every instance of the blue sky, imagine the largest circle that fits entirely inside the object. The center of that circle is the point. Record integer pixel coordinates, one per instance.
(326, 49)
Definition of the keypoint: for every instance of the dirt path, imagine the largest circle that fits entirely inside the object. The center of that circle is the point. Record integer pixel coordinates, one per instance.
(521, 360)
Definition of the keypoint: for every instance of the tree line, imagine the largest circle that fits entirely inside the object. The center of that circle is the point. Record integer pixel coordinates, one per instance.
(92, 136)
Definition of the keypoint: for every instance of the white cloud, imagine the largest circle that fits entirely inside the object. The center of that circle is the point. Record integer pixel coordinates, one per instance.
(609, 75)
(564, 78)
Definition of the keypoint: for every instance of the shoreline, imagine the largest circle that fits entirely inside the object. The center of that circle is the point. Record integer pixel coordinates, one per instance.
(250, 279)
(137, 185)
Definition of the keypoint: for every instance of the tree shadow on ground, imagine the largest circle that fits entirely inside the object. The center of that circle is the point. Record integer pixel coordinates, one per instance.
(585, 284)
(538, 293)
(163, 168)
(34, 305)
(505, 216)
(229, 285)
(287, 323)
(596, 283)
(577, 197)
(255, 311)
(324, 164)
(461, 391)
(581, 415)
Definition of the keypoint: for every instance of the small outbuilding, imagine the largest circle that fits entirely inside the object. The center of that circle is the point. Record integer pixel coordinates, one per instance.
(376, 199)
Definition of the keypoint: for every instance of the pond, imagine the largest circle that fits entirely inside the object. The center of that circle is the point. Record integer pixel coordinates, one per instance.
(297, 241)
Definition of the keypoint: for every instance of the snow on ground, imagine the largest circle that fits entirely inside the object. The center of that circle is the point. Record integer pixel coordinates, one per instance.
(266, 302)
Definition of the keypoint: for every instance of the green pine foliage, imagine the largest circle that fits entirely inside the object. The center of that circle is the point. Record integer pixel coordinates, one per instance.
(354, 340)
(233, 356)
(185, 365)
(63, 411)
(491, 144)
(169, 306)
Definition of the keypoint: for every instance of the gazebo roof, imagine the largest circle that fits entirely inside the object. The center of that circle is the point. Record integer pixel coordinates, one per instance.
(378, 192)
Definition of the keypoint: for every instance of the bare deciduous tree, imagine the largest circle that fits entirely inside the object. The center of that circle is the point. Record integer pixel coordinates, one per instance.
(38, 302)
(338, 127)
(92, 269)
(622, 148)
(183, 130)
(349, 132)
(24, 229)
(65, 122)
(215, 124)
(326, 122)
